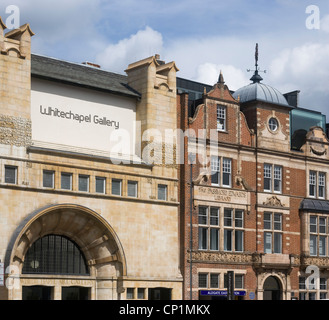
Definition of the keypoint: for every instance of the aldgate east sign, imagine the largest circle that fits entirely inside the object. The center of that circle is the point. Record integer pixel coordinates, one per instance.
(221, 194)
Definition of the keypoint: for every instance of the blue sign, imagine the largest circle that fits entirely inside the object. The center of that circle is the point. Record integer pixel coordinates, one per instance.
(221, 292)
(252, 295)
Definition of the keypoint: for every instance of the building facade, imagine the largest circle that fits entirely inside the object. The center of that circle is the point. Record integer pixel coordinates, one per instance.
(254, 195)
(150, 186)
(82, 215)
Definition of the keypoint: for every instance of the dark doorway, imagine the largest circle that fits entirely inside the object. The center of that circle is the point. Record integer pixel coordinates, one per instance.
(75, 293)
(37, 293)
(159, 294)
(272, 289)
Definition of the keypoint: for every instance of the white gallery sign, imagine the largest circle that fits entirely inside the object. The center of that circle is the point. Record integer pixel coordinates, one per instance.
(81, 118)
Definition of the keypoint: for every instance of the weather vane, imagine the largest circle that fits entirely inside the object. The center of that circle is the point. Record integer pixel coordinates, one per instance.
(256, 77)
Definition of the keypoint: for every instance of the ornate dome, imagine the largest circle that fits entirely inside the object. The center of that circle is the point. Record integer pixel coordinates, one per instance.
(261, 92)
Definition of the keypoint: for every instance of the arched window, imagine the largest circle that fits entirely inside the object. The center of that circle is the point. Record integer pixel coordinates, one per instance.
(54, 254)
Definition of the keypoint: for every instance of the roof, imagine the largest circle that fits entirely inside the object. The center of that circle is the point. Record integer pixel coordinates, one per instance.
(81, 75)
(314, 205)
(260, 92)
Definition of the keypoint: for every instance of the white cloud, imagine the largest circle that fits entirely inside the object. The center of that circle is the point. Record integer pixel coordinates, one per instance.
(324, 23)
(208, 73)
(144, 43)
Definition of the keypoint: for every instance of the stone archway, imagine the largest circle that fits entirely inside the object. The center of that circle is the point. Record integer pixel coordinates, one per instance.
(272, 289)
(90, 231)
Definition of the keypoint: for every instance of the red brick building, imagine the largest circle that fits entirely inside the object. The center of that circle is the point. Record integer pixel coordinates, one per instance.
(256, 204)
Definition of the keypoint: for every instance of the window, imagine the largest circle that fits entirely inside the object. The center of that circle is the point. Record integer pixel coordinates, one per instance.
(221, 118)
(221, 177)
(48, 178)
(208, 228)
(54, 254)
(66, 181)
(130, 293)
(272, 232)
(233, 230)
(316, 288)
(272, 178)
(214, 280)
(140, 293)
(273, 124)
(100, 184)
(132, 189)
(116, 187)
(317, 184)
(10, 174)
(238, 281)
(162, 192)
(203, 280)
(318, 235)
(83, 183)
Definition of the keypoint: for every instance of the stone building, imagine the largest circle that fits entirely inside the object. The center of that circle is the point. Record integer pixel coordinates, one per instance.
(83, 216)
(254, 209)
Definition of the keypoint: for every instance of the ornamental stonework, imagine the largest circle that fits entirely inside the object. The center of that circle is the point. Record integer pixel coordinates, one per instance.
(15, 131)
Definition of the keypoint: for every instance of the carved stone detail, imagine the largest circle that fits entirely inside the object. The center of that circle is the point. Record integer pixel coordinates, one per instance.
(273, 201)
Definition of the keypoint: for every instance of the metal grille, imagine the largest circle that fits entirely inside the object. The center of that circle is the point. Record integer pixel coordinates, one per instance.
(54, 254)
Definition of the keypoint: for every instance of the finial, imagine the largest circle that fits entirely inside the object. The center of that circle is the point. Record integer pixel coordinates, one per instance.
(221, 78)
(256, 77)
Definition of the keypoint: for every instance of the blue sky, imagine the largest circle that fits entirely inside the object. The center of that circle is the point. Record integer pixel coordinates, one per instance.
(202, 37)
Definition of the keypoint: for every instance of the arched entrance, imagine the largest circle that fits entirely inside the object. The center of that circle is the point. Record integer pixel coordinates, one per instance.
(74, 232)
(272, 289)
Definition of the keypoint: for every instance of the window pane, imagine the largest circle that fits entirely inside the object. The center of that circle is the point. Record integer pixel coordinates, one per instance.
(227, 240)
(203, 239)
(132, 188)
(221, 118)
(313, 224)
(277, 178)
(10, 174)
(162, 192)
(267, 177)
(203, 213)
(277, 221)
(267, 242)
(238, 240)
(215, 170)
(226, 172)
(130, 293)
(203, 280)
(312, 184)
(100, 185)
(239, 218)
(66, 181)
(322, 246)
(214, 239)
(322, 225)
(48, 179)
(116, 187)
(302, 284)
(214, 216)
(239, 283)
(277, 242)
(83, 183)
(228, 217)
(313, 245)
(267, 220)
(322, 184)
(140, 293)
(214, 280)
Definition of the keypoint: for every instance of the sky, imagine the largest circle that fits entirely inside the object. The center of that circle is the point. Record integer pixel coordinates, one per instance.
(202, 37)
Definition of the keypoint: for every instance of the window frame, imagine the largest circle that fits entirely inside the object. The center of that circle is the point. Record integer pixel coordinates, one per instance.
(221, 167)
(67, 174)
(221, 118)
(135, 183)
(10, 167)
(272, 176)
(52, 172)
(97, 178)
(165, 188)
(120, 189)
(273, 235)
(80, 179)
